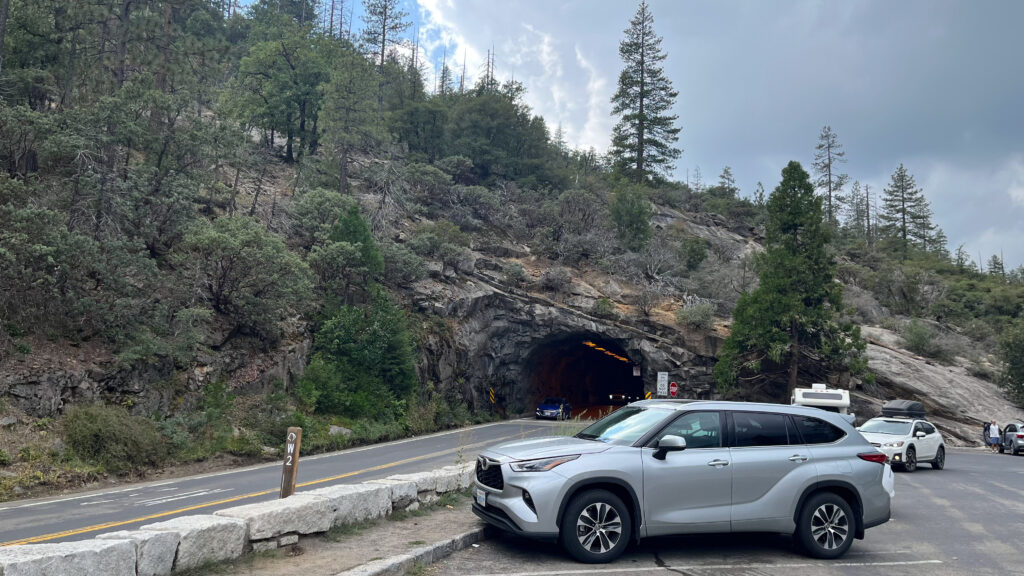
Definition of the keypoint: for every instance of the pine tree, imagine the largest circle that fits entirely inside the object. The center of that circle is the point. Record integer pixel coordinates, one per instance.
(791, 311)
(828, 154)
(643, 140)
(905, 214)
(384, 20)
(855, 225)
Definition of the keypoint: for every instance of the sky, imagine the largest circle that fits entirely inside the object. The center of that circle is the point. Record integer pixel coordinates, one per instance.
(935, 85)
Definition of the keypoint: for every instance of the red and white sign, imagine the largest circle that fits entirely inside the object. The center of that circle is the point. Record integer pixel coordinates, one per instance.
(673, 388)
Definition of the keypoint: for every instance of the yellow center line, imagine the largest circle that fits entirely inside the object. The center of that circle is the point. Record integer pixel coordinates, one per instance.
(96, 527)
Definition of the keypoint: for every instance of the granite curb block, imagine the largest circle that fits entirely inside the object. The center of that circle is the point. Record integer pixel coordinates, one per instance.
(399, 565)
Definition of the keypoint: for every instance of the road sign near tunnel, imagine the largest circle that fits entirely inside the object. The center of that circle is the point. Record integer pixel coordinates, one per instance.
(662, 383)
(673, 388)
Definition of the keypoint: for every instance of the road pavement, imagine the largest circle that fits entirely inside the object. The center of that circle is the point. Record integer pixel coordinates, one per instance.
(965, 519)
(78, 516)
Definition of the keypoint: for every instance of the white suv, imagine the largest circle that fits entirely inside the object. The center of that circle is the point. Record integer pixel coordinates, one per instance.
(906, 441)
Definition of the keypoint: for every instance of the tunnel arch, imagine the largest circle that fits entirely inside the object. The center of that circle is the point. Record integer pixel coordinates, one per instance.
(586, 369)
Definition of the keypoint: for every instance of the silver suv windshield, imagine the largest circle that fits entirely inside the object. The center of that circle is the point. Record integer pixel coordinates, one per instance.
(624, 426)
(895, 427)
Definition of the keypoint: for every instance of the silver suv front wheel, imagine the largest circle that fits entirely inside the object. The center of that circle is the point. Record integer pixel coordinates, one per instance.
(596, 526)
(826, 526)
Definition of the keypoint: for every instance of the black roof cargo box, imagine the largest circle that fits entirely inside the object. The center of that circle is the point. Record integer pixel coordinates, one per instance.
(903, 409)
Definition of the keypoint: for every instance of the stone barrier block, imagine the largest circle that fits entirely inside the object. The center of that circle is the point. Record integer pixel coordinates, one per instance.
(154, 551)
(403, 492)
(447, 480)
(425, 481)
(107, 557)
(356, 502)
(298, 513)
(204, 538)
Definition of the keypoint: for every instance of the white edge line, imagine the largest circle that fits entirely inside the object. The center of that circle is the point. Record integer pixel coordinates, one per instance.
(101, 492)
(717, 567)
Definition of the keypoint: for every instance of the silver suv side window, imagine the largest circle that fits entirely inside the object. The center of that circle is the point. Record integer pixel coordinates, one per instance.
(700, 429)
(1011, 428)
(928, 428)
(815, 431)
(760, 429)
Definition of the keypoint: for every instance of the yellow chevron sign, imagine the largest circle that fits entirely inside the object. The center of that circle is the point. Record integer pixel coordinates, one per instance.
(647, 396)
(491, 394)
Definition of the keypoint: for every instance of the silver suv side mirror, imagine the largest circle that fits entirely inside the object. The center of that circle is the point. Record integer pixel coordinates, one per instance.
(919, 434)
(669, 443)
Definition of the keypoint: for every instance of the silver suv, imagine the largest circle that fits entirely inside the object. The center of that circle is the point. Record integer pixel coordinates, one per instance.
(659, 467)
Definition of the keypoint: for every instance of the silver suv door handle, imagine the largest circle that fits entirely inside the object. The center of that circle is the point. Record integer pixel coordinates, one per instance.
(797, 458)
(718, 463)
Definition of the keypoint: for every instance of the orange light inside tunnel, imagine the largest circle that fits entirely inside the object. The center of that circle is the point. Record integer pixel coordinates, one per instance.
(606, 351)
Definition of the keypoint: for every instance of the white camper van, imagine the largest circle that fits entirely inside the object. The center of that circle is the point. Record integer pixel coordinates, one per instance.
(821, 396)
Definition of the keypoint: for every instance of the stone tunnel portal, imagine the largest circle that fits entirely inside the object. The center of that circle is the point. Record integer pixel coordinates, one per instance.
(584, 369)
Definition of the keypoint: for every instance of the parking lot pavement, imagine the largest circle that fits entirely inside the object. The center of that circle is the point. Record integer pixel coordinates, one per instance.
(950, 522)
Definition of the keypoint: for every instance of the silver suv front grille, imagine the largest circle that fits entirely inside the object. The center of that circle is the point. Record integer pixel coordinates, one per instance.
(488, 472)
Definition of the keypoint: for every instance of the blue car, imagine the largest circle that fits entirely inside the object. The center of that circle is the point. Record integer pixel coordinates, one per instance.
(554, 408)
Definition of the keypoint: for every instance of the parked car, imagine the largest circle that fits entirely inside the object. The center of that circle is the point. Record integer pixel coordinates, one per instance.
(554, 408)
(1013, 438)
(658, 467)
(906, 441)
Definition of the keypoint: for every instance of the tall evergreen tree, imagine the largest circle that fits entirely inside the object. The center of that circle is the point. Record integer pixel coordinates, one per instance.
(855, 225)
(350, 111)
(905, 214)
(384, 20)
(643, 141)
(828, 154)
(791, 312)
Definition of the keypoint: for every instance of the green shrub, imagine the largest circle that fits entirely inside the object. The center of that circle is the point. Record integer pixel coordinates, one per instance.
(698, 314)
(921, 340)
(114, 439)
(245, 444)
(401, 265)
(556, 280)
(5, 458)
(604, 308)
(515, 274)
(693, 251)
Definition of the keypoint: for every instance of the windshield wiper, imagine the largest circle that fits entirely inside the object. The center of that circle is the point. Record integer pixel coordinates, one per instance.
(583, 436)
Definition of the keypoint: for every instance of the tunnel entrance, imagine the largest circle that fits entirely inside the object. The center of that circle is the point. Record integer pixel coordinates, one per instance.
(586, 370)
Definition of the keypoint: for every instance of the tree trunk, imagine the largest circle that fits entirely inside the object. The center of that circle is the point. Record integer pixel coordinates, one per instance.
(794, 356)
(343, 173)
(5, 6)
(121, 70)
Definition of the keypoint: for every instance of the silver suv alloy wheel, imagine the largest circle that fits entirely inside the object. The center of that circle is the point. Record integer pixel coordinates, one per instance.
(599, 528)
(829, 526)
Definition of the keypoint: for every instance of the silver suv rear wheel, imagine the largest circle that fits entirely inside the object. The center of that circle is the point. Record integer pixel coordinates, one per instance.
(596, 526)
(826, 526)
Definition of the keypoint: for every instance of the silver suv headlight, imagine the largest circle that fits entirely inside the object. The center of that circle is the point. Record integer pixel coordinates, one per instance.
(541, 464)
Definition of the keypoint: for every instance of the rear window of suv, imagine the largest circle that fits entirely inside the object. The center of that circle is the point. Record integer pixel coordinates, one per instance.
(815, 431)
(760, 429)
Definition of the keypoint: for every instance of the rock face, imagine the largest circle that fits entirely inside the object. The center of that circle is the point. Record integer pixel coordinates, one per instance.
(958, 403)
(108, 557)
(56, 376)
(497, 332)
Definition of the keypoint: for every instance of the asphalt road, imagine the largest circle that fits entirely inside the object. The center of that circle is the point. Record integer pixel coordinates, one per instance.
(964, 520)
(78, 516)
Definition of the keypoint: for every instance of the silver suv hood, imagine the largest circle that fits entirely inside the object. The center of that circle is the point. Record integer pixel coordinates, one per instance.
(875, 437)
(547, 447)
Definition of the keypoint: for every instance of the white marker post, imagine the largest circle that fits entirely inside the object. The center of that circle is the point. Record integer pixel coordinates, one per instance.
(291, 461)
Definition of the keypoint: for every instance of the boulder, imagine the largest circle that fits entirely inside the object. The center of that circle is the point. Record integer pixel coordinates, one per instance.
(204, 538)
(107, 557)
(299, 513)
(356, 502)
(154, 551)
